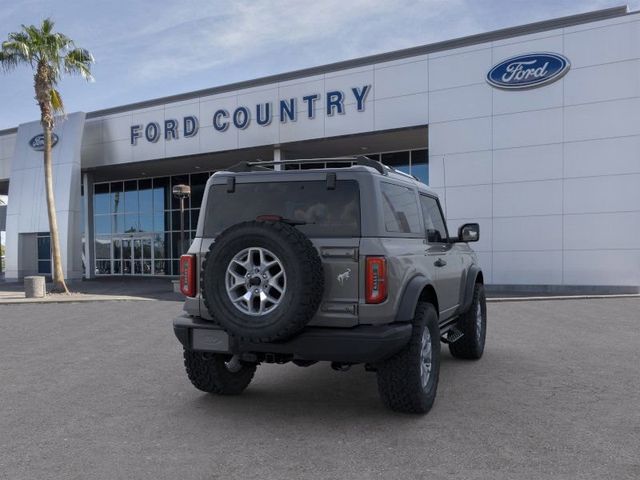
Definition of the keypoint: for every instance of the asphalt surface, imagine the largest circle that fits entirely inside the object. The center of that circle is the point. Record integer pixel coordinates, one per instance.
(97, 391)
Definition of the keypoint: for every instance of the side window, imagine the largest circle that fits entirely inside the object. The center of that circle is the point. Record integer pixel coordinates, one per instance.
(433, 221)
(400, 209)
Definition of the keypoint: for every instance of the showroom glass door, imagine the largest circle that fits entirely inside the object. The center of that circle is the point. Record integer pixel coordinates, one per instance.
(133, 255)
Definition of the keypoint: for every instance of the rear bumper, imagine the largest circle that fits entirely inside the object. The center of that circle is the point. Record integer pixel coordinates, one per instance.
(361, 344)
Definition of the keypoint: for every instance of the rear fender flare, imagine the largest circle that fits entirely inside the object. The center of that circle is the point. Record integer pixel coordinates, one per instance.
(410, 298)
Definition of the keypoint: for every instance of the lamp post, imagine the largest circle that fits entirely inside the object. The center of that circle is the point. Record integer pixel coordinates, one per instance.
(181, 192)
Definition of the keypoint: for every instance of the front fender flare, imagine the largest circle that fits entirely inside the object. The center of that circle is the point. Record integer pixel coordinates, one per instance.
(472, 276)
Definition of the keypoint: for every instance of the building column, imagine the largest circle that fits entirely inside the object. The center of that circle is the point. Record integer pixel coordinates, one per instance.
(277, 156)
(89, 244)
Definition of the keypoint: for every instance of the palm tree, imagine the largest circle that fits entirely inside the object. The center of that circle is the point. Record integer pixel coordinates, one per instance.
(50, 55)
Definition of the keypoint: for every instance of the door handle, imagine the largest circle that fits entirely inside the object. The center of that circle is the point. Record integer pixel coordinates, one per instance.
(440, 263)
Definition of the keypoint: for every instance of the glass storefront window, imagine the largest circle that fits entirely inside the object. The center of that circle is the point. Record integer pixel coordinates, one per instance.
(131, 203)
(117, 197)
(161, 194)
(145, 195)
(198, 182)
(101, 198)
(102, 224)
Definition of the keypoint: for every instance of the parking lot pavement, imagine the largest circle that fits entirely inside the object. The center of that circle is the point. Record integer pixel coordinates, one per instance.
(97, 391)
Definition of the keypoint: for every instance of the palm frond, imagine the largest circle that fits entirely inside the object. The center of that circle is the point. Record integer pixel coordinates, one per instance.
(56, 101)
(78, 61)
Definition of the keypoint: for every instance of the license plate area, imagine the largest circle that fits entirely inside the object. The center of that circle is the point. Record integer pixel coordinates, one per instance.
(208, 340)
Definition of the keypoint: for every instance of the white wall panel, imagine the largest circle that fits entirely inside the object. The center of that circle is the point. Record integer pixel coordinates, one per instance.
(607, 156)
(352, 121)
(602, 267)
(460, 69)
(527, 233)
(92, 132)
(603, 45)
(468, 202)
(345, 83)
(117, 127)
(540, 162)
(212, 140)
(602, 82)
(407, 111)
(616, 193)
(402, 79)
(457, 103)
(508, 101)
(528, 128)
(485, 260)
(602, 231)
(460, 136)
(527, 268)
(256, 135)
(601, 120)
(473, 168)
(527, 198)
(303, 129)
(550, 41)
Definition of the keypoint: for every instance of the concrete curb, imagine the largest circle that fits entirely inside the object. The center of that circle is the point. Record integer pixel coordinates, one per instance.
(74, 299)
(559, 297)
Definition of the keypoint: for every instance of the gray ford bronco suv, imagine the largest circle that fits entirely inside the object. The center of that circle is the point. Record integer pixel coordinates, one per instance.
(349, 263)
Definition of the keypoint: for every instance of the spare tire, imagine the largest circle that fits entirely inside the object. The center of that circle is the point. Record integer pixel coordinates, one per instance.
(262, 281)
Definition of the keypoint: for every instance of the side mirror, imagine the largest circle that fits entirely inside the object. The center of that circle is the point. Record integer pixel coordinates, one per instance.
(469, 232)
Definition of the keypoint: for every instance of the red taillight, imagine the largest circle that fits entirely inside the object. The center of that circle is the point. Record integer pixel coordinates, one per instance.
(188, 275)
(376, 280)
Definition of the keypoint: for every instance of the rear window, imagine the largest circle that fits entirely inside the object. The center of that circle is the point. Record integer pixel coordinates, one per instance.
(327, 213)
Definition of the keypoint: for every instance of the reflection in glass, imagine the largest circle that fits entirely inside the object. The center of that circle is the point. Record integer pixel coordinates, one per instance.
(103, 250)
(159, 222)
(126, 249)
(117, 248)
(161, 194)
(131, 196)
(101, 198)
(159, 246)
(131, 223)
(102, 224)
(145, 196)
(146, 222)
(117, 223)
(103, 267)
(116, 197)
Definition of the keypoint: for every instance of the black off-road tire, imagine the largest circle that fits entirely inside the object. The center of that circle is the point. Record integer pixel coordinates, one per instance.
(304, 281)
(208, 372)
(399, 377)
(471, 345)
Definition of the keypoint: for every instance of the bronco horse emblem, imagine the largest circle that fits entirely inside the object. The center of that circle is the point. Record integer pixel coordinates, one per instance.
(342, 277)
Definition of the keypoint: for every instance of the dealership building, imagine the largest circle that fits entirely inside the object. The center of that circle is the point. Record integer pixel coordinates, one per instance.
(532, 131)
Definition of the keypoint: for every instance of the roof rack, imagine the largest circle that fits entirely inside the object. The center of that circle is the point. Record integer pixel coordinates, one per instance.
(359, 160)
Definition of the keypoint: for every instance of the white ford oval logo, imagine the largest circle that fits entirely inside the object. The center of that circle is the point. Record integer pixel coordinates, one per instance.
(37, 142)
(528, 71)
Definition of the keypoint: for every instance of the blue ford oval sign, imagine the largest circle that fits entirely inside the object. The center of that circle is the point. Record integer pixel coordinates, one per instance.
(37, 142)
(528, 71)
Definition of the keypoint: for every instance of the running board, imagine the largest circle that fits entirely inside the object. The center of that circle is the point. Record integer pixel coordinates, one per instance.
(452, 335)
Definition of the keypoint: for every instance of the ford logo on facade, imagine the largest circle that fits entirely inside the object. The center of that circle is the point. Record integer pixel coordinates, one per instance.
(528, 71)
(37, 142)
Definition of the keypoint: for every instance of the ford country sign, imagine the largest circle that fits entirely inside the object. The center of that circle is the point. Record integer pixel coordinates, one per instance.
(37, 142)
(528, 71)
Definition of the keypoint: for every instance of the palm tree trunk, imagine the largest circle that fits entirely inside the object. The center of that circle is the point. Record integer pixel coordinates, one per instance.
(59, 284)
